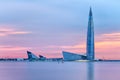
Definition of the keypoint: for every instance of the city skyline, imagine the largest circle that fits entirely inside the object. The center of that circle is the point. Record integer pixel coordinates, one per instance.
(50, 27)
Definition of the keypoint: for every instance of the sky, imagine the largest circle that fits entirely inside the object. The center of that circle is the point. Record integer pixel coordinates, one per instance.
(48, 27)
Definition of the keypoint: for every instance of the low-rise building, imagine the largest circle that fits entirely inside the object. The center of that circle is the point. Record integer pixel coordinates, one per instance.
(68, 56)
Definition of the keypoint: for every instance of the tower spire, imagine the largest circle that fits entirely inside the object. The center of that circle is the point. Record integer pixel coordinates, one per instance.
(90, 12)
(90, 37)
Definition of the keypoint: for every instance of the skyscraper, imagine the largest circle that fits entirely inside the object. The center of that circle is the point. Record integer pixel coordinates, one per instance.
(90, 37)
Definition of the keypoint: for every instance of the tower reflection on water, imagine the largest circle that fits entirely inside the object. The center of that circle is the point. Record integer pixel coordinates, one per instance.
(90, 71)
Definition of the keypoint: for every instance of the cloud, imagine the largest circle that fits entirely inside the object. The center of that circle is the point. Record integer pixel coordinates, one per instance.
(67, 47)
(11, 51)
(105, 45)
(12, 31)
(12, 48)
(112, 34)
(109, 37)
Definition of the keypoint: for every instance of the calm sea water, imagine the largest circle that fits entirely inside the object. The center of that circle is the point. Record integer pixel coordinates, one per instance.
(59, 71)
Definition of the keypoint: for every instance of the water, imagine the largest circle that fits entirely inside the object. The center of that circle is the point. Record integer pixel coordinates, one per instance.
(59, 71)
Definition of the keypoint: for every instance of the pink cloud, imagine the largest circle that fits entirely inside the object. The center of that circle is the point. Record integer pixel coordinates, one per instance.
(109, 37)
(7, 51)
(112, 34)
(8, 30)
(106, 45)
(12, 48)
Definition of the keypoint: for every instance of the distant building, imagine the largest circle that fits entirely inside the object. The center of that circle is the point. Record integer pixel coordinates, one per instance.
(54, 59)
(31, 56)
(42, 57)
(90, 44)
(90, 38)
(68, 56)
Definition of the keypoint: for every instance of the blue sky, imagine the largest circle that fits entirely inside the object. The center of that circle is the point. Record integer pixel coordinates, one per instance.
(46, 26)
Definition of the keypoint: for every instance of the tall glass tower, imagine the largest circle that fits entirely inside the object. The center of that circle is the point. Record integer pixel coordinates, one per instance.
(90, 37)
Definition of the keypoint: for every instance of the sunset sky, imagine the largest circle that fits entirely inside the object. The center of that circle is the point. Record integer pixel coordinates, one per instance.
(48, 27)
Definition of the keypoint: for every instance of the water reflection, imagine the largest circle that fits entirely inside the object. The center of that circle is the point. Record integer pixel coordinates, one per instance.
(90, 71)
